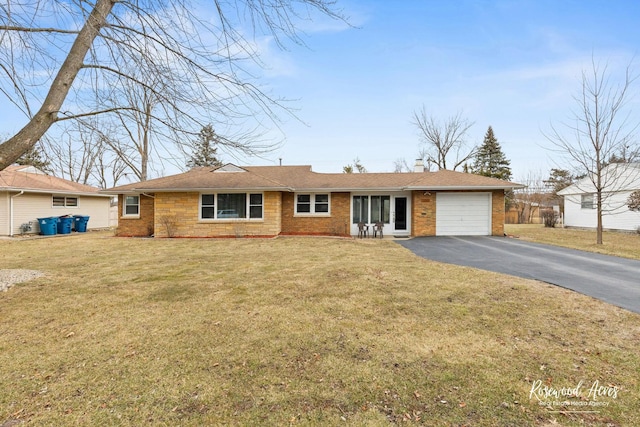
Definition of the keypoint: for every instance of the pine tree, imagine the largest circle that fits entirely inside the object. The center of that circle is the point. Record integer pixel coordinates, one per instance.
(489, 160)
(204, 149)
(559, 179)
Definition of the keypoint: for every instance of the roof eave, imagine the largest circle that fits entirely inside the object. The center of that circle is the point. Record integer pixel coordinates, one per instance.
(61, 192)
(345, 189)
(197, 190)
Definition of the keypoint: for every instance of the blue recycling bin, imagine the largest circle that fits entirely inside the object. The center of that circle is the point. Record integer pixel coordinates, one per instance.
(81, 223)
(64, 224)
(48, 225)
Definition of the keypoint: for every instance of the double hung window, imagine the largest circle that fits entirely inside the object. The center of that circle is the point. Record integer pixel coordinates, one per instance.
(131, 206)
(312, 204)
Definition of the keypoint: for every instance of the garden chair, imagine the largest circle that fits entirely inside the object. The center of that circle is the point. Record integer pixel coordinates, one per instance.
(377, 229)
(363, 230)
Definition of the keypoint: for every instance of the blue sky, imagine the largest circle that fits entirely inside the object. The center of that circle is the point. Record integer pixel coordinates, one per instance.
(514, 65)
(510, 64)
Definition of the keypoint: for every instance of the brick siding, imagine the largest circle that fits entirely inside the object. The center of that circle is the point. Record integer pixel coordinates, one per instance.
(136, 227)
(423, 213)
(178, 213)
(337, 224)
(497, 213)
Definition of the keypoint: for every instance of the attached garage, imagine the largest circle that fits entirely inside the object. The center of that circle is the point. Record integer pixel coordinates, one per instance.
(463, 214)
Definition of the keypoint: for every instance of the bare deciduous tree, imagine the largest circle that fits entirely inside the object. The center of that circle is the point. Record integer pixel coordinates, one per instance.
(444, 143)
(531, 199)
(601, 128)
(81, 155)
(401, 166)
(83, 51)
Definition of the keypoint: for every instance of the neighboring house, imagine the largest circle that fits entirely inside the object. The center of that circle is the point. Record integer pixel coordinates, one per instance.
(293, 200)
(580, 200)
(27, 194)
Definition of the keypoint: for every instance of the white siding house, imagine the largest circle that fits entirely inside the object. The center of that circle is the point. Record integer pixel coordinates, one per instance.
(27, 194)
(580, 200)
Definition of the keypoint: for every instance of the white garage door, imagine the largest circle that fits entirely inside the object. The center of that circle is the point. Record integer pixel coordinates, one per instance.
(463, 214)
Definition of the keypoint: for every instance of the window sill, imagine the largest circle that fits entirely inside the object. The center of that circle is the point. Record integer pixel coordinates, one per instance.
(130, 217)
(229, 220)
(312, 215)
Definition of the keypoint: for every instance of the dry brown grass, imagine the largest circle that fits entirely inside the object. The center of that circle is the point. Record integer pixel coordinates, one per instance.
(613, 243)
(295, 331)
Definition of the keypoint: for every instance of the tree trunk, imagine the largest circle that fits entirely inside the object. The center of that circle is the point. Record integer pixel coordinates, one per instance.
(599, 213)
(29, 135)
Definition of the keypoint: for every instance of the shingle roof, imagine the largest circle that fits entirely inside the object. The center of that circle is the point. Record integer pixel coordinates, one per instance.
(302, 178)
(27, 178)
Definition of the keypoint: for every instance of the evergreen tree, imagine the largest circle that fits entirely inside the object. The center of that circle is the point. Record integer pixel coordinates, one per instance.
(559, 179)
(489, 160)
(33, 157)
(204, 149)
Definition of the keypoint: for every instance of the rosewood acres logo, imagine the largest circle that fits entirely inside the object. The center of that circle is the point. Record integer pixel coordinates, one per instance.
(582, 396)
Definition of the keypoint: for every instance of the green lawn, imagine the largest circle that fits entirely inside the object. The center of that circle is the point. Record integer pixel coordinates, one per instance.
(298, 331)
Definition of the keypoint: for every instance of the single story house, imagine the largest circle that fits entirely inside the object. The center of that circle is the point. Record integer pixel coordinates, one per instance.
(234, 201)
(27, 193)
(580, 201)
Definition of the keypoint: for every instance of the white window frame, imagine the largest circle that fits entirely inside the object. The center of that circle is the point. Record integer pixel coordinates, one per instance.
(65, 202)
(312, 202)
(588, 201)
(216, 205)
(250, 205)
(124, 206)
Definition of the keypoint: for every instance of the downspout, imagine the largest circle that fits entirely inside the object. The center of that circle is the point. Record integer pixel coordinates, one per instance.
(11, 212)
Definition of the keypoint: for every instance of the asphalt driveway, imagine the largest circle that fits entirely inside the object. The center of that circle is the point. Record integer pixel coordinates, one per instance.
(611, 279)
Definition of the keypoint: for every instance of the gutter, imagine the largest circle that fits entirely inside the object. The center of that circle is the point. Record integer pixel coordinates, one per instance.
(462, 187)
(59, 192)
(11, 211)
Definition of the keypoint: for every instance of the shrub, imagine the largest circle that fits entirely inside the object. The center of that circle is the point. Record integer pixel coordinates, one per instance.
(549, 218)
(633, 202)
(170, 223)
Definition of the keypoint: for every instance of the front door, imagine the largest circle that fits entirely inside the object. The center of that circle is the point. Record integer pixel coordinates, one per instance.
(400, 217)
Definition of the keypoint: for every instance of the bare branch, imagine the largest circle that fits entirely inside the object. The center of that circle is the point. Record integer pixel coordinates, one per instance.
(37, 30)
(600, 129)
(441, 139)
(205, 60)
